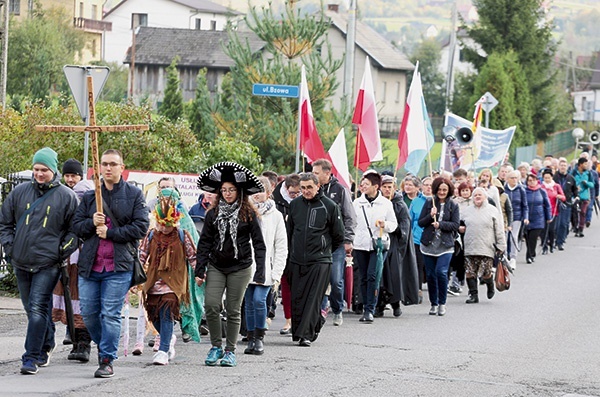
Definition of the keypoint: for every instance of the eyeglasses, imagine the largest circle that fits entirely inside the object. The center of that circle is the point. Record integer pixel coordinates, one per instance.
(230, 190)
(111, 165)
(293, 193)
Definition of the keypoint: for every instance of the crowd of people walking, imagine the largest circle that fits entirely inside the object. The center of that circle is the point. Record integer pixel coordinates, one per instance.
(253, 242)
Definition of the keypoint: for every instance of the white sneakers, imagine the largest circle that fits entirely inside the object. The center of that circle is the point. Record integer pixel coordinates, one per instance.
(160, 358)
(513, 263)
(338, 319)
(163, 358)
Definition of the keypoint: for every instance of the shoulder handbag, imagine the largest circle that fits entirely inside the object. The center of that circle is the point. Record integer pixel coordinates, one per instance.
(139, 275)
(386, 243)
(502, 278)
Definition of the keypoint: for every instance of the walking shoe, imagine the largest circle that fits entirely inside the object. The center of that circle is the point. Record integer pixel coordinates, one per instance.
(474, 298)
(44, 360)
(105, 370)
(185, 337)
(455, 291)
(512, 263)
(338, 319)
(304, 342)
(160, 358)
(529, 260)
(434, 310)
(560, 247)
(67, 340)
(441, 310)
(156, 343)
(151, 343)
(29, 367)
(172, 347)
(545, 251)
(397, 311)
(378, 313)
(228, 359)
(214, 354)
(368, 318)
(285, 331)
(138, 349)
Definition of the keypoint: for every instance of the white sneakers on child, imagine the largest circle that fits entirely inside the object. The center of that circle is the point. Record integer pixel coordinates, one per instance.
(160, 358)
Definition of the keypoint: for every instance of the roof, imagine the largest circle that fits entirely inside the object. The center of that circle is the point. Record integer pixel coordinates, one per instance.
(197, 5)
(378, 48)
(195, 48)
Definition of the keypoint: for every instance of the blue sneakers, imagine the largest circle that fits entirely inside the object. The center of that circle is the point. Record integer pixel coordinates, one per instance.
(228, 359)
(29, 367)
(214, 354)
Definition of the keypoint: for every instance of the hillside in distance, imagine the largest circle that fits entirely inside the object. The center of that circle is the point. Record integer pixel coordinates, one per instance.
(406, 22)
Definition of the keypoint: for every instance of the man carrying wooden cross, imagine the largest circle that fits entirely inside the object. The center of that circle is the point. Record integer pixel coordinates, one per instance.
(106, 258)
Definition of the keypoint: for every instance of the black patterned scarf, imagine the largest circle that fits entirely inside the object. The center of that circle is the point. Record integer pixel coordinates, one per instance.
(228, 215)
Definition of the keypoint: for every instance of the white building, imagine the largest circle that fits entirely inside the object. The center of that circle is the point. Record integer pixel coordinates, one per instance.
(182, 14)
(587, 103)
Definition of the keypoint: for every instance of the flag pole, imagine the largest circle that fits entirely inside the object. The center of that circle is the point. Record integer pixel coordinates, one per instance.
(298, 137)
(357, 162)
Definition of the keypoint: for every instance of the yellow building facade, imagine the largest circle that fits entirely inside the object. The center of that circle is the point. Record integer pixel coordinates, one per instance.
(86, 15)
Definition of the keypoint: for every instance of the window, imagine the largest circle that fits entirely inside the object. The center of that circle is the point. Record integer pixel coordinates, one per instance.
(213, 25)
(384, 92)
(94, 12)
(397, 91)
(198, 24)
(81, 9)
(139, 20)
(14, 7)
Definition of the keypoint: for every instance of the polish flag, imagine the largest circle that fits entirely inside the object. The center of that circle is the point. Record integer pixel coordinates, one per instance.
(416, 134)
(310, 143)
(478, 114)
(368, 142)
(339, 159)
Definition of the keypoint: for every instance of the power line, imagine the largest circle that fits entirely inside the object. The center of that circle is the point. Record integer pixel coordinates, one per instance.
(577, 67)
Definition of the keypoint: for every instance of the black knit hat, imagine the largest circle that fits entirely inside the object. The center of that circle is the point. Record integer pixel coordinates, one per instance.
(72, 166)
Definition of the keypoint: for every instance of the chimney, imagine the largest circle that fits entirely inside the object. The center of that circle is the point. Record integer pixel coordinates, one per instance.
(333, 7)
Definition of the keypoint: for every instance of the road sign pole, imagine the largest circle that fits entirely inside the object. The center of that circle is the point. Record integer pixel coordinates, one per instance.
(487, 119)
(86, 139)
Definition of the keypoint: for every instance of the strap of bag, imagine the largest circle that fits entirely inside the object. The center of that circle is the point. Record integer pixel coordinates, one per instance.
(35, 204)
(367, 221)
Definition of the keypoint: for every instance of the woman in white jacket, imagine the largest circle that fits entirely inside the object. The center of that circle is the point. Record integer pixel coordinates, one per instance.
(275, 237)
(484, 234)
(373, 214)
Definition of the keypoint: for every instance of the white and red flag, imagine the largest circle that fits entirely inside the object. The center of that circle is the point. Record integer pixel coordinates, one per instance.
(310, 142)
(368, 142)
(339, 159)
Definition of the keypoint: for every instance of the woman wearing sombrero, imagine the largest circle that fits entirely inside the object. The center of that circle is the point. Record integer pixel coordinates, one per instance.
(224, 258)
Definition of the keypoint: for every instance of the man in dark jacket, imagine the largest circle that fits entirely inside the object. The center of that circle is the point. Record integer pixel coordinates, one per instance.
(341, 196)
(106, 258)
(198, 210)
(285, 192)
(34, 230)
(569, 187)
(315, 229)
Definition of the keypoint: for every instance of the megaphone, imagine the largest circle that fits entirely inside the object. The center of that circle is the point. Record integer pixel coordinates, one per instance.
(594, 137)
(463, 136)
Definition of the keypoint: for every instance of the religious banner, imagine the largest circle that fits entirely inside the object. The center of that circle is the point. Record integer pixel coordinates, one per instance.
(487, 150)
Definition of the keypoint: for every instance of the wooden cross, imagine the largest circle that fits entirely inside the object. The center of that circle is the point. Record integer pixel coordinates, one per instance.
(93, 129)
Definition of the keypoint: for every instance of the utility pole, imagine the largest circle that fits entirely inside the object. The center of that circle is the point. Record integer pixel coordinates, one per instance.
(350, 46)
(4, 58)
(451, 50)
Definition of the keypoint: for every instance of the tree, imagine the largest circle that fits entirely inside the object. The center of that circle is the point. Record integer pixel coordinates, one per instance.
(39, 47)
(520, 26)
(172, 106)
(291, 39)
(428, 54)
(115, 88)
(200, 110)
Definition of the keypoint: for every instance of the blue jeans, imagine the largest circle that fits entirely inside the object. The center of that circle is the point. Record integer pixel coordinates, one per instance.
(101, 297)
(164, 326)
(367, 263)
(437, 277)
(36, 295)
(256, 306)
(336, 295)
(562, 228)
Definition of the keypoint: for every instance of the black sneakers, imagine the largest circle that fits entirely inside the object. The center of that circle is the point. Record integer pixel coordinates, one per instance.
(105, 370)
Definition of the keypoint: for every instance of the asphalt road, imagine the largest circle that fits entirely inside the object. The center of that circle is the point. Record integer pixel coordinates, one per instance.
(540, 338)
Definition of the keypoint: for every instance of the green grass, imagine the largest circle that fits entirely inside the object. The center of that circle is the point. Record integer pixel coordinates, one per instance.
(390, 154)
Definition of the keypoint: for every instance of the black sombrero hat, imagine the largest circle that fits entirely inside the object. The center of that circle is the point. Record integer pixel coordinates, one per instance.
(211, 179)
